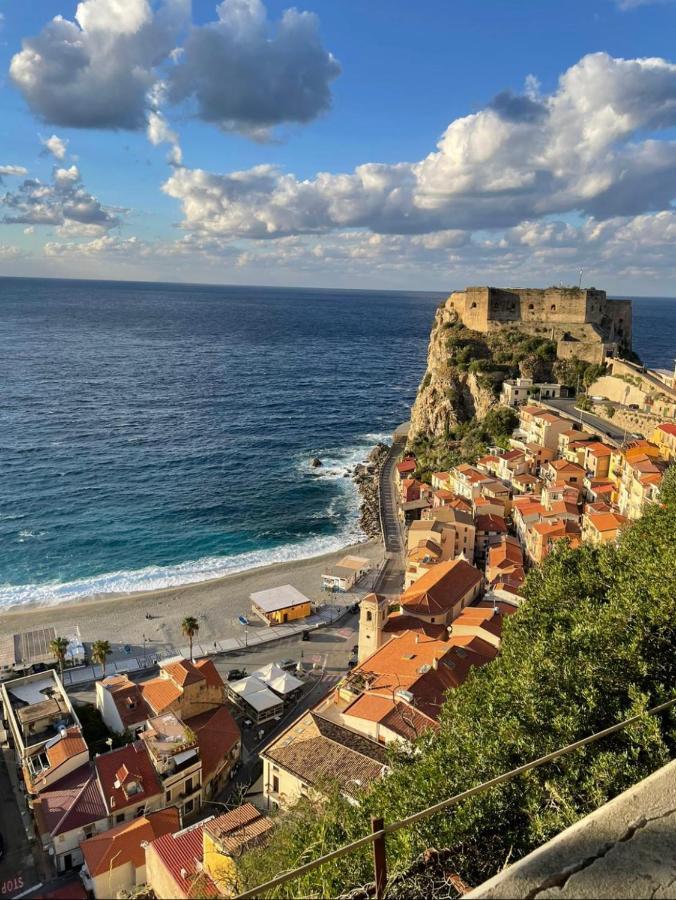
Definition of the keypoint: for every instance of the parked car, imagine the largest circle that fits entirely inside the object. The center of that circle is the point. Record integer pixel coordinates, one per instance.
(236, 674)
(633, 406)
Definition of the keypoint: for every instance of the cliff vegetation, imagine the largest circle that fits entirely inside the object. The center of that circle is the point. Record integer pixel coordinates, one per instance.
(456, 414)
(593, 644)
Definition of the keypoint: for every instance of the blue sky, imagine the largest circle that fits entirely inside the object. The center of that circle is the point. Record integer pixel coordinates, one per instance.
(379, 144)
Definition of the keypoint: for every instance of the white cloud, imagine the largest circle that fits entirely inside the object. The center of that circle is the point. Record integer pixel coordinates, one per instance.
(8, 252)
(247, 76)
(95, 72)
(57, 146)
(582, 148)
(63, 201)
(13, 170)
(241, 73)
(625, 5)
(108, 244)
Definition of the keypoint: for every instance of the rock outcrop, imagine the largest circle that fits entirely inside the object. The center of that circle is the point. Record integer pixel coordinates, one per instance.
(367, 478)
(447, 395)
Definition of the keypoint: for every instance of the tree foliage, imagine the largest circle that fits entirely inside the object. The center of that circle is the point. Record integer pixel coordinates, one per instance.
(593, 644)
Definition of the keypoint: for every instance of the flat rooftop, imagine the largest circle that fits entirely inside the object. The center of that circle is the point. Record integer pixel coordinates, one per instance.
(275, 599)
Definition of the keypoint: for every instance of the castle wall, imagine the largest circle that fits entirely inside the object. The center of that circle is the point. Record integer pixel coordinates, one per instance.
(585, 314)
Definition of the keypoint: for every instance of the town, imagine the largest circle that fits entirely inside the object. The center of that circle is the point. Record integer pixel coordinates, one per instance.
(155, 808)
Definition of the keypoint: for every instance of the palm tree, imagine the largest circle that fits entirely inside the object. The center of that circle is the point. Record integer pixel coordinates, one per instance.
(100, 651)
(59, 648)
(190, 627)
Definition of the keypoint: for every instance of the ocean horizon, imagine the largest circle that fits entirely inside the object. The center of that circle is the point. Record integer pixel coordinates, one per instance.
(157, 434)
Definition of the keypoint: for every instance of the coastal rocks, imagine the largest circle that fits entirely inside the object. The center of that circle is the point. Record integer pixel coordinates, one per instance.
(315, 462)
(367, 478)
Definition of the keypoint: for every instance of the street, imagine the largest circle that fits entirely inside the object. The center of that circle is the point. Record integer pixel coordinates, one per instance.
(566, 406)
(17, 868)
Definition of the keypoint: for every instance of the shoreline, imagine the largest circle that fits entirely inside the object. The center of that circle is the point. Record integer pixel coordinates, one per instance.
(216, 602)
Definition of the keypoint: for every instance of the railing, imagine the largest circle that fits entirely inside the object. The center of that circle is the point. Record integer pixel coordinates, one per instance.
(379, 829)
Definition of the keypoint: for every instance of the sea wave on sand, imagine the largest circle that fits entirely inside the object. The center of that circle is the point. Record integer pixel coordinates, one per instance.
(336, 461)
(156, 577)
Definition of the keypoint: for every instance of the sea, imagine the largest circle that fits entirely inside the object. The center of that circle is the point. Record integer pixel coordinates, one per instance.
(153, 435)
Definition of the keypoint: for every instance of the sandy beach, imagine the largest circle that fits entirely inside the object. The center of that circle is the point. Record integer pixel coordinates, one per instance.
(121, 619)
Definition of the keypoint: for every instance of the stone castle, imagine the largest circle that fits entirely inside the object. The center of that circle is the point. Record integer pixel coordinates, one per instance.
(583, 321)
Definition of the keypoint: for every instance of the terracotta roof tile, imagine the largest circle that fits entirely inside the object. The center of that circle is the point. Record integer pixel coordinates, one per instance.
(210, 672)
(159, 693)
(440, 589)
(239, 829)
(133, 759)
(123, 844)
(70, 803)
(217, 733)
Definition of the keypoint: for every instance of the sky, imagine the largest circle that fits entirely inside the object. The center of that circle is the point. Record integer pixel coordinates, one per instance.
(379, 143)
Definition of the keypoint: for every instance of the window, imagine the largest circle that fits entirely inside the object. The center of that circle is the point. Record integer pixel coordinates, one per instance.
(88, 831)
(119, 818)
(188, 786)
(188, 808)
(138, 813)
(167, 797)
(553, 307)
(275, 784)
(369, 616)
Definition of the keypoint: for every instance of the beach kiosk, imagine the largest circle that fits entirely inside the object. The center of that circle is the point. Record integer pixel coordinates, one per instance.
(282, 604)
(346, 573)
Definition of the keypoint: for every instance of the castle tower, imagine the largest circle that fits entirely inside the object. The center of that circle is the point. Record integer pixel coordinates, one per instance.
(372, 618)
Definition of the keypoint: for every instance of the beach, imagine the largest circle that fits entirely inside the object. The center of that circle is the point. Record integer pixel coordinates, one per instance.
(216, 604)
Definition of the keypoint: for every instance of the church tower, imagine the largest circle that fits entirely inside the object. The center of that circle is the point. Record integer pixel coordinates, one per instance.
(372, 618)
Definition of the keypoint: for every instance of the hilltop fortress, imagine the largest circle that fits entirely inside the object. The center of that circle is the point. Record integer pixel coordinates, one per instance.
(583, 322)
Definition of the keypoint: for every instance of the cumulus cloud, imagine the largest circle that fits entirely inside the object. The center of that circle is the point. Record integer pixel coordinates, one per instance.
(247, 76)
(239, 72)
(8, 252)
(57, 146)
(95, 72)
(17, 171)
(582, 148)
(64, 201)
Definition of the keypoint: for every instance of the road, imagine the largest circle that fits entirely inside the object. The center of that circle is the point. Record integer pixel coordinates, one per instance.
(392, 575)
(603, 428)
(17, 867)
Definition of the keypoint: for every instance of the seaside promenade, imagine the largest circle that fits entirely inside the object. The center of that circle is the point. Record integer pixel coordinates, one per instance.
(391, 577)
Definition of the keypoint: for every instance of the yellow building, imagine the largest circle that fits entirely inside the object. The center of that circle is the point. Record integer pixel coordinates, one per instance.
(200, 861)
(282, 604)
(664, 437)
(601, 527)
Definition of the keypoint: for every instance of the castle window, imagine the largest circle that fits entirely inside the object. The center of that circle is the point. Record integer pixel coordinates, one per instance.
(531, 306)
(473, 306)
(369, 616)
(553, 307)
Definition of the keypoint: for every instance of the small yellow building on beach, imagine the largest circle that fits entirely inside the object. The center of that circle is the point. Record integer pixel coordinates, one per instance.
(279, 605)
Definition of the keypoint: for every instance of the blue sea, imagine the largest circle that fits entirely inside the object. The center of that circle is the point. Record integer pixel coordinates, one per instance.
(157, 434)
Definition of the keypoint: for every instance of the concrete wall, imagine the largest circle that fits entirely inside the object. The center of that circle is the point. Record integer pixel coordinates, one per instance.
(157, 876)
(118, 879)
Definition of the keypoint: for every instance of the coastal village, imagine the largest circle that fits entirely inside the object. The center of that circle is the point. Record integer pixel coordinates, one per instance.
(155, 808)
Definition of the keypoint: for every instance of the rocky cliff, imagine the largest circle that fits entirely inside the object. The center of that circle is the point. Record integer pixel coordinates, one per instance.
(448, 394)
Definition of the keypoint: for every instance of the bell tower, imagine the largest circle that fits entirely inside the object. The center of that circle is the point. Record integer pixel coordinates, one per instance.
(372, 618)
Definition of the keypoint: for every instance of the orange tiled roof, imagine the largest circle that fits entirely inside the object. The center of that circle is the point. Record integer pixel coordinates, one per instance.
(490, 522)
(667, 428)
(160, 693)
(606, 521)
(133, 760)
(440, 589)
(124, 844)
(128, 699)
(210, 672)
(405, 720)
(70, 746)
(217, 733)
(183, 672)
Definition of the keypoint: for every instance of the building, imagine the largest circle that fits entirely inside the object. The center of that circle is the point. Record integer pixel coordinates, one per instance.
(664, 437)
(22, 651)
(601, 527)
(505, 564)
(173, 748)
(283, 604)
(40, 716)
(184, 687)
(201, 861)
(440, 595)
(518, 390)
(128, 783)
(121, 704)
(596, 460)
(115, 860)
(66, 813)
(60, 756)
(583, 321)
(489, 528)
(346, 573)
(406, 467)
(560, 470)
(434, 599)
(542, 537)
(255, 699)
(314, 753)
